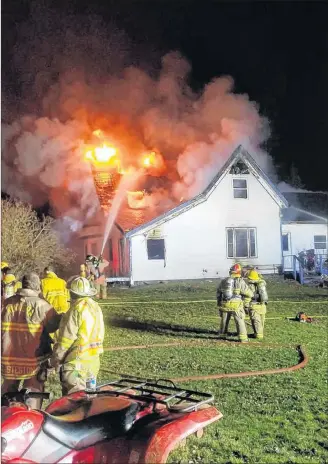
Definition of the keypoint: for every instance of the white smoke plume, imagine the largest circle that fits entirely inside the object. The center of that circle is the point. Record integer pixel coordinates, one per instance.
(88, 83)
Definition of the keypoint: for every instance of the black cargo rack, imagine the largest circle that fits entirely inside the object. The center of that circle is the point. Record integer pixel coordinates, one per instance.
(145, 390)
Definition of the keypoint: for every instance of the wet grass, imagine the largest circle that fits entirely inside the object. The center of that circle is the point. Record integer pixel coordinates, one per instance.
(267, 419)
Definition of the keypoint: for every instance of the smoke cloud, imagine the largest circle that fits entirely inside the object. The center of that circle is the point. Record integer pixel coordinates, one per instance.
(88, 80)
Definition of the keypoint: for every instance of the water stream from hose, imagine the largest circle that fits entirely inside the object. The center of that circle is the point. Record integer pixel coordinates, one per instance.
(127, 183)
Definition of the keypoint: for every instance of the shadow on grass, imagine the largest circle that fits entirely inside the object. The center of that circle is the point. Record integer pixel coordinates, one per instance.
(162, 328)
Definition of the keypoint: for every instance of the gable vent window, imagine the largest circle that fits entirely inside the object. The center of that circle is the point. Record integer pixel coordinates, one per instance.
(156, 248)
(320, 242)
(239, 188)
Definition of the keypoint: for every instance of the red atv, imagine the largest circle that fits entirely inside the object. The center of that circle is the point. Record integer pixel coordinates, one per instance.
(131, 420)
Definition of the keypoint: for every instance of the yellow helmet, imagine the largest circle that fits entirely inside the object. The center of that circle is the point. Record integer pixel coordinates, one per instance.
(4, 264)
(81, 287)
(253, 275)
(9, 278)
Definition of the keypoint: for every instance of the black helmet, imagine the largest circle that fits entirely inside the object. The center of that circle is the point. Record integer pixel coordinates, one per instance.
(89, 258)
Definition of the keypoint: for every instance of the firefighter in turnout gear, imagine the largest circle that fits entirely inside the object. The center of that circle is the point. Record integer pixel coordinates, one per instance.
(80, 339)
(256, 306)
(4, 268)
(230, 295)
(27, 322)
(9, 285)
(54, 291)
(100, 282)
(89, 270)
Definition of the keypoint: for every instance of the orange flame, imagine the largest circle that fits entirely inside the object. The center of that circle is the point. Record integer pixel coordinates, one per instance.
(149, 159)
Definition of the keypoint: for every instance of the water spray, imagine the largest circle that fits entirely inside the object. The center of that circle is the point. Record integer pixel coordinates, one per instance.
(127, 182)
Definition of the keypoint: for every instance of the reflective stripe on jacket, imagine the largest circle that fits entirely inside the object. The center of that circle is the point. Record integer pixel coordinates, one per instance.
(27, 321)
(81, 334)
(55, 292)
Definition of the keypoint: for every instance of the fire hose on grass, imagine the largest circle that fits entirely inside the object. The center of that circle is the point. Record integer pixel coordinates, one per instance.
(303, 360)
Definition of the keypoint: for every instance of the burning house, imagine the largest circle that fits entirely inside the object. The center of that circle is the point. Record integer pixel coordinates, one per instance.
(240, 216)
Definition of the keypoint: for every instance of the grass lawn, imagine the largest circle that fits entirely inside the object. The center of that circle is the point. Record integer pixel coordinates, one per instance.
(266, 419)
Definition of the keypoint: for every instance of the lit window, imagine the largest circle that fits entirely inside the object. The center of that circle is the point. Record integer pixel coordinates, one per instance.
(156, 249)
(241, 243)
(320, 242)
(239, 188)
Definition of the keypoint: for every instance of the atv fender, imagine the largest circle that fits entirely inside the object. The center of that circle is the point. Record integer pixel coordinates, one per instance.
(153, 443)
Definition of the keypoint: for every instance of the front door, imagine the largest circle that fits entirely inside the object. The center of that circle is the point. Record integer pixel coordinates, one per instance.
(287, 251)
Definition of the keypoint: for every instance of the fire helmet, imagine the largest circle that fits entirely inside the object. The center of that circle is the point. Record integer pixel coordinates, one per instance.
(9, 278)
(235, 270)
(4, 264)
(80, 286)
(253, 275)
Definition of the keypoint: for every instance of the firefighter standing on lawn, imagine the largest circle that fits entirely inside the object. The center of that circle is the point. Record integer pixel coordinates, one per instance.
(100, 282)
(54, 291)
(93, 270)
(89, 270)
(230, 295)
(80, 339)
(256, 306)
(27, 322)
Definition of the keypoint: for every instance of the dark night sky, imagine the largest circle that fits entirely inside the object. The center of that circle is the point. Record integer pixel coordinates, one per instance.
(277, 52)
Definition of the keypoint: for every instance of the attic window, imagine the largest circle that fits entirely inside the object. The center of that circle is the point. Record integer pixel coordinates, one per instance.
(239, 188)
(239, 168)
(156, 249)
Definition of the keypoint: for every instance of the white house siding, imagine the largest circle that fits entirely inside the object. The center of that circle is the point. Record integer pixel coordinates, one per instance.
(195, 241)
(302, 236)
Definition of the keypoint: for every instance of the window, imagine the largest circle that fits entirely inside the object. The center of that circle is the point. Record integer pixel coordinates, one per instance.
(110, 249)
(155, 249)
(239, 188)
(94, 248)
(320, 242)
(285, 242)
(239, 168)
(241, 243)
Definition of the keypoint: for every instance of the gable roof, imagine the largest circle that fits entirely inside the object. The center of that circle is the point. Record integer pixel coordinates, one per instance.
(306, 207)
(239, 154)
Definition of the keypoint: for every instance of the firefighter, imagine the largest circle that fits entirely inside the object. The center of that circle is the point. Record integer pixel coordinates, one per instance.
(9, 285)
(230, 295)
(27, 322)
(256, 306)
(4, 269)
(80, 339)
(100, 282)
(54, 290)
(88, 269)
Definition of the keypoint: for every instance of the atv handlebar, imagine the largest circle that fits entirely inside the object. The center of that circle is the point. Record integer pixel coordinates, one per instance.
(23, 395)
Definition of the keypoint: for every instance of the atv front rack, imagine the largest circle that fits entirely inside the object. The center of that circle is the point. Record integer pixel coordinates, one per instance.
(155, 391)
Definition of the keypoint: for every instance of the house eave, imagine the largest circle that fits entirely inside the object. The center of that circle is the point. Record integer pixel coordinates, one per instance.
(239, 153)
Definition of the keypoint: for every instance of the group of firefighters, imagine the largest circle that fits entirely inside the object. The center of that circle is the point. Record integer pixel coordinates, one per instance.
(239, 294)
(51, 325)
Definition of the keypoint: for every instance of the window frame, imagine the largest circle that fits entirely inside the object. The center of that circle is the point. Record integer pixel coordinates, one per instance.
(288, 242)
(241, 177)
(319, 241)
(164, 250)
(248, 229)
(110, 250)
(93, 246)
